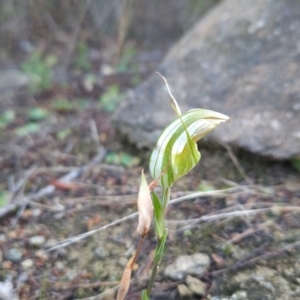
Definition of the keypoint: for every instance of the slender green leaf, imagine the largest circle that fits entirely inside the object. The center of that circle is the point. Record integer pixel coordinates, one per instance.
(156, 205)
(160, 248)
(158, 212)
(144, 295)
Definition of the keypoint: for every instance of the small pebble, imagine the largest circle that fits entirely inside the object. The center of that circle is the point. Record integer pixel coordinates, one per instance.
(51, 243)
(12, 234)
(27, 264)
(2, 238)
(73, 256)
(196, 285)
(71, 274)
(195, 264)
(59, 266)
(37, 240)
(123, 261)
(41, 255)
(184, 291)
(101, 252)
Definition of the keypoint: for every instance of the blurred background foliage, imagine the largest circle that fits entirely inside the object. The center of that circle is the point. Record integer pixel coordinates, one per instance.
(28, 24)
(59, 58)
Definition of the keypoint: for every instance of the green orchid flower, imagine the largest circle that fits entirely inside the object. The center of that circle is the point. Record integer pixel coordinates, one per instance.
(176, 152)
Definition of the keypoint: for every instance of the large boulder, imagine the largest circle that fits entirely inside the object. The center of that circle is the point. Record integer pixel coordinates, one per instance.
(242, 59)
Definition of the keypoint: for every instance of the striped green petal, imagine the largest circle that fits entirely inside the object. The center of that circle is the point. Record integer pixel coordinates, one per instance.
(176, 152)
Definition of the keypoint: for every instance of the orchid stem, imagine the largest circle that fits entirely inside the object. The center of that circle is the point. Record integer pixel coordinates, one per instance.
(161, 240)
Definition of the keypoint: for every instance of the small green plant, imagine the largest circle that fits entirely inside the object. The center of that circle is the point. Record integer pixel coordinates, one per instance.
(62, 105)
(82, 59)
(110, 99)
(62, 134)
(175, 154)
(40, 71)
(4, 198)
(122, 158)
(296, 163)
(128, 64)
(31, 127)
(37, 114)
(7, 117)
(34, 115)
(126, 59)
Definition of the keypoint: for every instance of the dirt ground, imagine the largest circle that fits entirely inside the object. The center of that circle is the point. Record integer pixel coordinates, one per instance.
(100, 188)
(68, 187)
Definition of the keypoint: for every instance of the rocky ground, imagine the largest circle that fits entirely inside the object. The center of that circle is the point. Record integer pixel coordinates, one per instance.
(245, 222)
(69, 180)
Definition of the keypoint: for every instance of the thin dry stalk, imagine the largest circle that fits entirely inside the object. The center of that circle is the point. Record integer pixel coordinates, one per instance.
(124, 24)
(256, 259)
(72, 42)
(217, 193)
(237, 163)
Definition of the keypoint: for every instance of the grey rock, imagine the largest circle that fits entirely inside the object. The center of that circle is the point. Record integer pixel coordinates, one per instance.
(14, 254)
(241, 59)
(196, 264)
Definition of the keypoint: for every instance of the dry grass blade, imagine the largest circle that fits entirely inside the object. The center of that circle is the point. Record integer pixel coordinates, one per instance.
(74, 37)
(217, 193)
(255, 259)
(174, 103)
(103, 295)
(49, 189)
(19, 201)
(125, 281)
(237, 163)
(124, 284)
